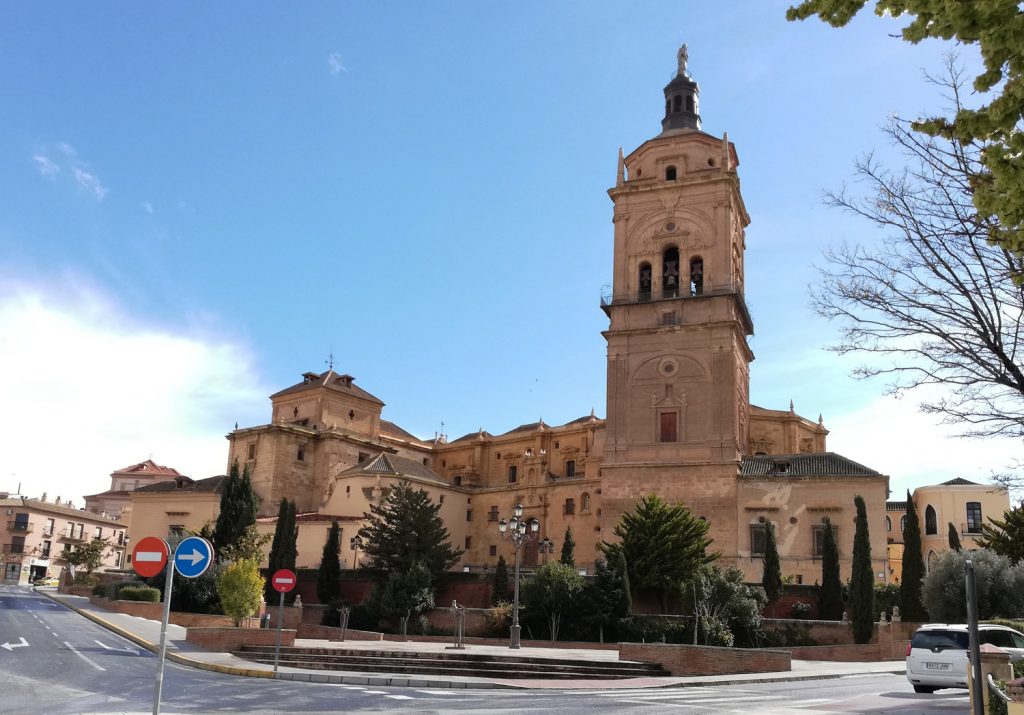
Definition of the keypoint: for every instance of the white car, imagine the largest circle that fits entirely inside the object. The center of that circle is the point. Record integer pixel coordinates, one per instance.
(937, 654)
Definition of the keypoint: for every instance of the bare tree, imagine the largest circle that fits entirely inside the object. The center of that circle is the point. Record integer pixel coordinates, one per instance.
(937, 304)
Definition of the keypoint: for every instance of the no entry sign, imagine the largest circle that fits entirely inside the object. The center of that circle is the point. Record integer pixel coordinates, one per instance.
(283, 581)
(149, 556)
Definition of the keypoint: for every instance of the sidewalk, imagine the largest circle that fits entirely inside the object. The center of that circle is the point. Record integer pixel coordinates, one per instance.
(146, 633)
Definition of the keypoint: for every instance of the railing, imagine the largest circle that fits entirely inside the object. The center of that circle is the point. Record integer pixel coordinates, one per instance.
(72, 535)
(608, 299)
(16, 549)
(997, 698)
(973, 528)
(22, 526)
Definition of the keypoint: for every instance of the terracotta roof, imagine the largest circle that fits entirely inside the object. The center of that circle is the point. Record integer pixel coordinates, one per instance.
(529, 427)
(390, 428)
(149, 467)
(395, 466)
(310, 516)
(329, 380)
(50, 507)
(825, 464)
(186, 484)
(484, 434)
(960, 482)
(109, 493)
(587, 418)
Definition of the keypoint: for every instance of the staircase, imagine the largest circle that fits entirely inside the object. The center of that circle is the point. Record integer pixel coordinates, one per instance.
(479, 665)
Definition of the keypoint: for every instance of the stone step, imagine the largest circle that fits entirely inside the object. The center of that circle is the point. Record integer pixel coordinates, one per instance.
(453, 663)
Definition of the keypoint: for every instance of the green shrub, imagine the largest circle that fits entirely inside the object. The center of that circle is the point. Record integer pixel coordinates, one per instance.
(114, 588)
(648, 629)
(497, 620)
(1008, 622)
(887, 595)
(99, 590)
(332, 614)
(788, 634)
(140, 593)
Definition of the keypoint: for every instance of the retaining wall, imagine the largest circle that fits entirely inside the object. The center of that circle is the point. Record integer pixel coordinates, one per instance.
(682, 660)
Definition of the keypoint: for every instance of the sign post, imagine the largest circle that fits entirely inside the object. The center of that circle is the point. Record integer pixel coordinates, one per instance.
(283, 581)
(148, 559)
(191, 559)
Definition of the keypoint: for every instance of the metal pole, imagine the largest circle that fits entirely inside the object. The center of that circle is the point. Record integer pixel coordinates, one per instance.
(515, 602)
(280, 622)
(977, 692)
(168, 585)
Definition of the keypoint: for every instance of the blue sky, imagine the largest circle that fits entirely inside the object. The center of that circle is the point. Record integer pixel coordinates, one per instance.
(202, 201)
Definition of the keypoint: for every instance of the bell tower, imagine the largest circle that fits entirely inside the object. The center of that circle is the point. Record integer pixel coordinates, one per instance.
(678, 378)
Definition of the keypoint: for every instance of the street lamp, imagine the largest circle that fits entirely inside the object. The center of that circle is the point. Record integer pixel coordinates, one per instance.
(517, 532)
(546, 546)
(357, 543)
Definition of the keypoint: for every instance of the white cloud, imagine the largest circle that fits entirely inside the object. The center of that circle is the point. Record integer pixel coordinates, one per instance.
(894, 437)
(147, 207)
(62, 156)
(335, 65)
(87, 389)
(89, 181)
(46, 166)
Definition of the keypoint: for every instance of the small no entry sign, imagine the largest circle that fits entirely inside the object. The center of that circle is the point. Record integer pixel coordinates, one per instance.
(283, 581)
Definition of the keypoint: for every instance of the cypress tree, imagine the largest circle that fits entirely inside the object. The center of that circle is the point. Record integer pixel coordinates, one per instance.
(862, 579)
(283, 547)
(568, 549)
(954, 538)
(500, 581)
(239, 505)
(771, 576)
(830, 593)
(328, 577)
(627, 592)
(911, 606)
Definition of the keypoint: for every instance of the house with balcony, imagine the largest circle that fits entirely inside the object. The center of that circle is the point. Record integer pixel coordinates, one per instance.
(36, 533)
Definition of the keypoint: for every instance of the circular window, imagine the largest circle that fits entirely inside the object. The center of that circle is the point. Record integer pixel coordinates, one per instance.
(668, 367)
(670, 227)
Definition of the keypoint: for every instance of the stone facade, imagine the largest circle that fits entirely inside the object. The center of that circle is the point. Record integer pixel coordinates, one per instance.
(679, 419)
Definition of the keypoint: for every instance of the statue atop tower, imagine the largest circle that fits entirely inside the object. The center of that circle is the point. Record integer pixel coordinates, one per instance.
(681, 98)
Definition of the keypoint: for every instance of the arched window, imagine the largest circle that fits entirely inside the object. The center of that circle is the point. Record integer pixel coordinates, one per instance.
(585, 502)
(644, 290)
(931, 522)
(677, 103)
(670, 272)
(689, 103)
(888, 524)
(696, 275)
(931, 558)
(903, 524)
(670, 173)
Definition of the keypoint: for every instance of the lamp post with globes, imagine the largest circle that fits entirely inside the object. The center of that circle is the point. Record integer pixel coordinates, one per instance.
(517, 532)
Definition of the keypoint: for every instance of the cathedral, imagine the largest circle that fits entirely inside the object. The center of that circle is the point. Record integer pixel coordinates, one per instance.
(678, 423)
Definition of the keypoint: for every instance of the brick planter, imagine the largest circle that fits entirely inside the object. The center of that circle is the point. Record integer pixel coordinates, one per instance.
(681, 660)
(230, 639)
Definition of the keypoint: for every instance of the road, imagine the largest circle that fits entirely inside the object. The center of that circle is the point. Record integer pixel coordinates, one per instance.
(53, 660)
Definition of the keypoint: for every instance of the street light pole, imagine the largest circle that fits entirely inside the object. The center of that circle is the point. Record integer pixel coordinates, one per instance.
(517, 532)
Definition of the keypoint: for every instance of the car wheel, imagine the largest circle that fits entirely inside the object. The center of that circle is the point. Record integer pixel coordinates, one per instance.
(925, 688)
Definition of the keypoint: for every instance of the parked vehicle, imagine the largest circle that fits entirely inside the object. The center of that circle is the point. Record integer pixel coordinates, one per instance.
(46, 581)
(937, 653)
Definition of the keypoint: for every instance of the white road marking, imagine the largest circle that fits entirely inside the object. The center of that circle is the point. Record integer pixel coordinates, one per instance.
(440, 692)
(400, 697)
(88, 660)
(22, 643)
(376, 692)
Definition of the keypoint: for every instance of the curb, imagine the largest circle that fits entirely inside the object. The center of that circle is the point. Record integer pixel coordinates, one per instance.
(155, 648)
(412, 682)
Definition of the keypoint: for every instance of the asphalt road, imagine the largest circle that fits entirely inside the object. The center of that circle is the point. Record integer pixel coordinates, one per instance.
(70, 665)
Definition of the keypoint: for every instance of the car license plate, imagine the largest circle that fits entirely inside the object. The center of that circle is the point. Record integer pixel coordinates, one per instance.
(936, 666)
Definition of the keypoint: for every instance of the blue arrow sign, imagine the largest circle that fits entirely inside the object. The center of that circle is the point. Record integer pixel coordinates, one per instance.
(193, 556)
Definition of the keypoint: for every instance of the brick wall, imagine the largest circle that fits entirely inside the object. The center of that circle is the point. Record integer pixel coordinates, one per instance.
(682, 660)
(329, 633)
(889, 642)
(155, 612)
(228, 639)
